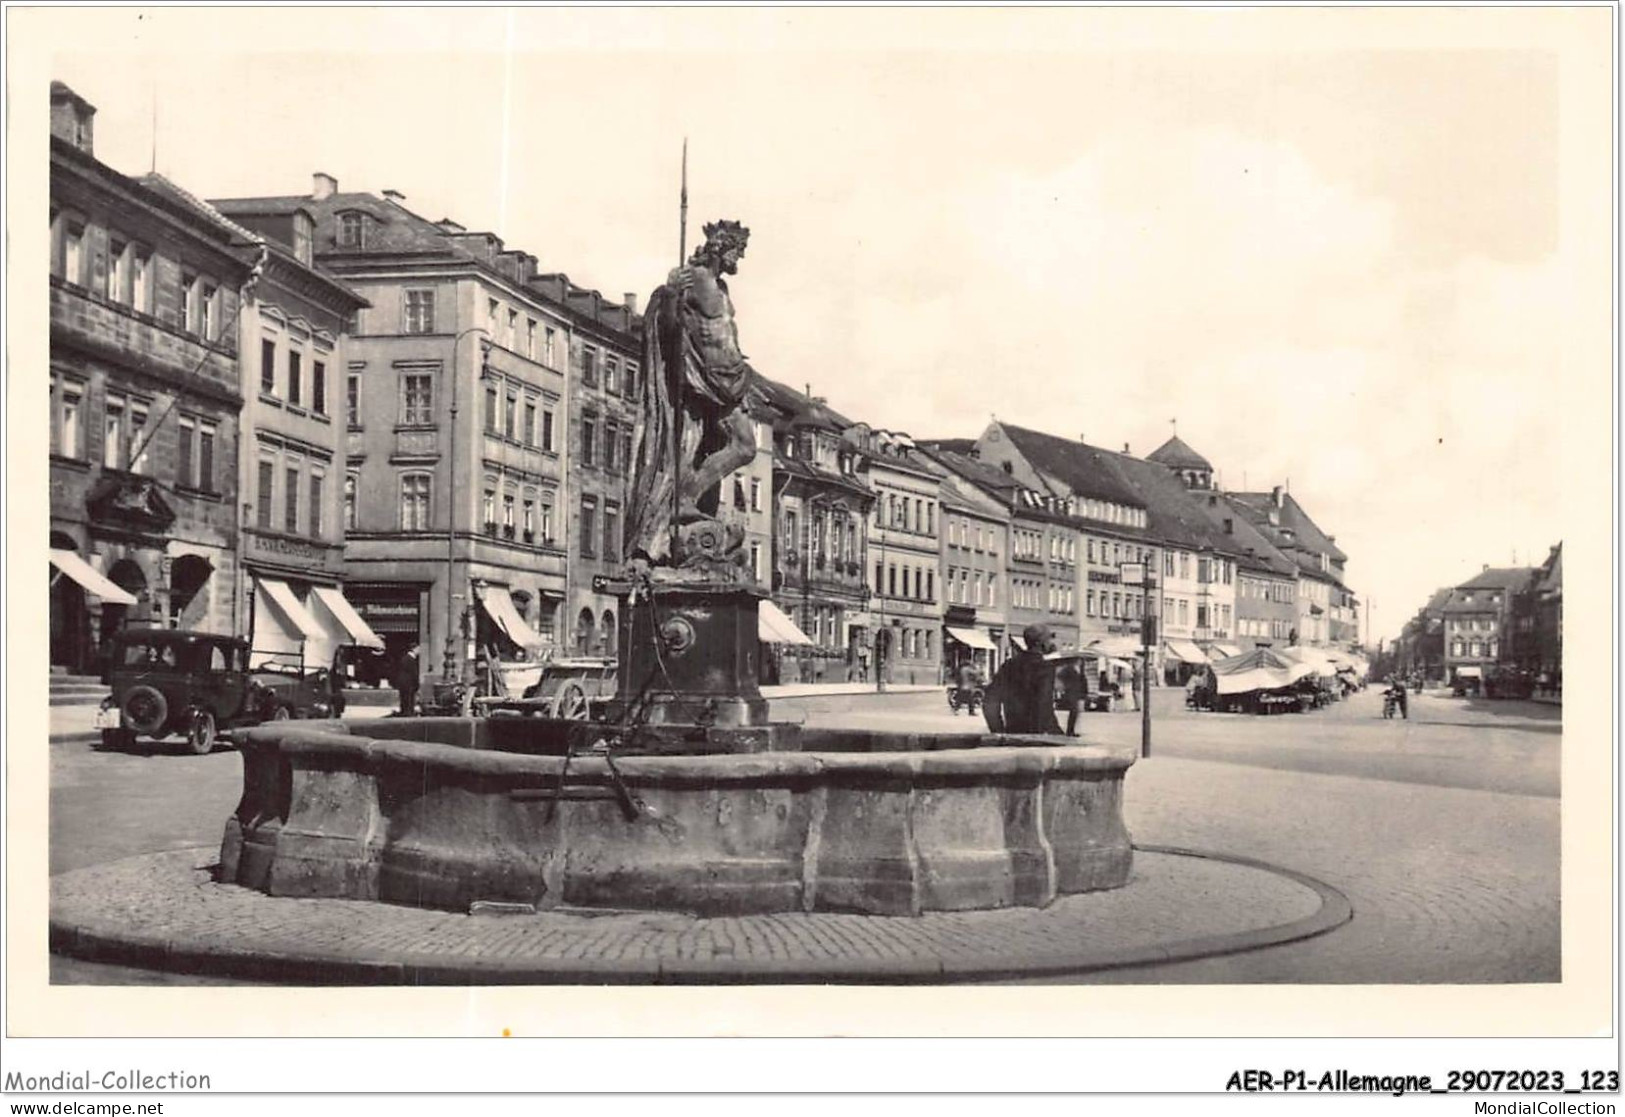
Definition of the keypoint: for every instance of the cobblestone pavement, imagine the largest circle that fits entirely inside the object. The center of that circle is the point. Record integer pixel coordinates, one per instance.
(170, 902)
(1443, 831)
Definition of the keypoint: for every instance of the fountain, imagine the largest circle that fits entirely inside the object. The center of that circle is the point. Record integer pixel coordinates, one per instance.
(687, 798)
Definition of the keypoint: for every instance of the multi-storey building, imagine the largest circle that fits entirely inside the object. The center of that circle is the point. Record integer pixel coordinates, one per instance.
(975, 545)
(605, 360)
(145, 402)
(294, 442)
(455, 408)
(1478, 629)
(1546, 592)
(905, 549)
(821, 549)
(1282, 520)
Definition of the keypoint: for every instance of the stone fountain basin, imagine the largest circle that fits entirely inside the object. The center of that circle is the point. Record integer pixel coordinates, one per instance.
(451, 812)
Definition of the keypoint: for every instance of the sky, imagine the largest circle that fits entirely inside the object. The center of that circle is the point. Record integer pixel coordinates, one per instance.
(1341, 269)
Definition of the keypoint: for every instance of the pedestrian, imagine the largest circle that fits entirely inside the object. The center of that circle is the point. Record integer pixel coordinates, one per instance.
(1021, 697)
(1134, 688)
(1404, 700)
(406, 680)
(1074, 680)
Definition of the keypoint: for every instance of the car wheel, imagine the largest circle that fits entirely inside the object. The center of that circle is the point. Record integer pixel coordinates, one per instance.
(202, 733)
(571, 704)
(146, 710)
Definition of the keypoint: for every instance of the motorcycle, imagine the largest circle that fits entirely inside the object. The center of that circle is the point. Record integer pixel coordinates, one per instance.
(970, 701)
(1390, 702)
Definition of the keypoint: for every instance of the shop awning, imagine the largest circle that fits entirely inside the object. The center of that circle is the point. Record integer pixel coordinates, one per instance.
(1123, 647)
(289, 606)
(499, 605)
(971, 638)
(773, 627)
(1224, 651)
(1015, 638)
(333, 600)
(1185, 650)
(1469, 672)
(93, 581)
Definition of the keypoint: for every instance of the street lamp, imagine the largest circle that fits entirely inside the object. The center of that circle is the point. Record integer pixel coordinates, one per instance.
(1139, 574)
(449, 664)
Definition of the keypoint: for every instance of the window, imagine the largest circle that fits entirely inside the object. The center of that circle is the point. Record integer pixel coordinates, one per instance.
(290, 505)
(756, 561)
(493, 404)
(547, 519)
(512, 334)
(267, 366)
(205, 456)
(420, 312)
(589, 436)
(529, 432)
(510, 413)
(352, 230)
(549, 338)
(415, 502)
(318, 387)
(891, 580)
(626, 448)
(296, 377)
(589, 366)
(208, 311)
(931, 585)
(612, 375)
(417, 400)
(301, 237)
(351, 483)
(318, 522)
(352, 401)
(488, 508)
(69, 419)
(507, 515)
(141, 281)
(190, 290)
(138, 449)
(612, 532)
(528, 524)
(631, 385)
(589, 525)
(530, 338)
(183, 451)
(1089, 602)
(492, 315)
(612, 441)
(117, 262)
(547, 429)
(73, 254)
(262, 495)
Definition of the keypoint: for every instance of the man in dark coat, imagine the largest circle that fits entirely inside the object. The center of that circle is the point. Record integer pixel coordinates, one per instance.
(406, 681)
(1021, 698)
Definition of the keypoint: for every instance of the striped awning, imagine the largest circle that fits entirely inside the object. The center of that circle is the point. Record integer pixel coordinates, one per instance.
(1185, 650)
(93, 581)
(773, 627)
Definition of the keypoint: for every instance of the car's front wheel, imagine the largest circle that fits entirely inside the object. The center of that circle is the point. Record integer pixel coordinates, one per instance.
(201, 734)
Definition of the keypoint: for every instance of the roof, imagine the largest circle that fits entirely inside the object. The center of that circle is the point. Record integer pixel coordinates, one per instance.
(257, 207)
(1305, 532)
(1252, 550)
(1075, 464)
(799, 467)
(1549, 579)
(1440, 598)
(1504, 579)
(1176, 454)
(1172, 512)
(990, 479)
(800, 409)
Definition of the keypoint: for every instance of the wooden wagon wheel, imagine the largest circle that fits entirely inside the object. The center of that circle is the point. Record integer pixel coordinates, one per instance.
(571, 703)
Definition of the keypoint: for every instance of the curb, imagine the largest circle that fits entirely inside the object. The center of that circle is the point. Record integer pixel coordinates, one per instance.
(322, 967)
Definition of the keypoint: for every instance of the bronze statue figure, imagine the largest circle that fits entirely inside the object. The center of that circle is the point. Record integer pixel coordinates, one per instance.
(693, 430)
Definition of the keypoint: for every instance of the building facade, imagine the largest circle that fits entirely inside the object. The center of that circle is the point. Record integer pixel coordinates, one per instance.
(1478, 625)
(456, 410)
(145, 403)
(294, 444)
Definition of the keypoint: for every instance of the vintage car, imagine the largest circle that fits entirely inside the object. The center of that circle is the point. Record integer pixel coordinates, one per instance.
(195, 683)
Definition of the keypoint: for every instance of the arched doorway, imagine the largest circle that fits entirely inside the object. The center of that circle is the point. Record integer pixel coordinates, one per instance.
(128, 576)
(584, 632)
(188, 605)
(610, 633)
(70, 613)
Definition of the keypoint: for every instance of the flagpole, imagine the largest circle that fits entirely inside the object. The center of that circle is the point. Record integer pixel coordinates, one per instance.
(682, 211)
(677, 380)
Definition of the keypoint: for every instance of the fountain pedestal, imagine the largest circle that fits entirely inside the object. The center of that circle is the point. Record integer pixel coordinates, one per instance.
(689, 655)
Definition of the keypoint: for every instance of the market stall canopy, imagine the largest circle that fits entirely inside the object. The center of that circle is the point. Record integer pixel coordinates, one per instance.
(1311, 657)
(289, 605)
(1124, 647)
(1223, 651)
(334, 601)
(971, 638)
(773, 627)
(1185, 650)
(1259, 669)
(94, 582)
(499, 605)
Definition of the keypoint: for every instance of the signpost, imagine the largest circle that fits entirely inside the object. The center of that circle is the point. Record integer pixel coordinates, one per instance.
(1137, 574)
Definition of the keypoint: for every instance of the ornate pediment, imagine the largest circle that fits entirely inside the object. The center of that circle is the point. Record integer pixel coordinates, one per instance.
(131, 501)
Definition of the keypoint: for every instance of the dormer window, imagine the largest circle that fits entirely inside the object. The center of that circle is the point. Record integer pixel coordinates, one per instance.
(303, 229)
(352, 230)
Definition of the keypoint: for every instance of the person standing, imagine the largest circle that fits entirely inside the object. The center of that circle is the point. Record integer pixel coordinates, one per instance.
(1074, 680)
(1134, 687)
(406, 680)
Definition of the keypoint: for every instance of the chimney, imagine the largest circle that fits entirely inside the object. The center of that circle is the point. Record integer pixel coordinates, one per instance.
(1486, 568)
(631, 301)
(1125, 447)
(448, 225)
(395, 196)
(323, 186)
(1230, 529)
(1275, 497)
